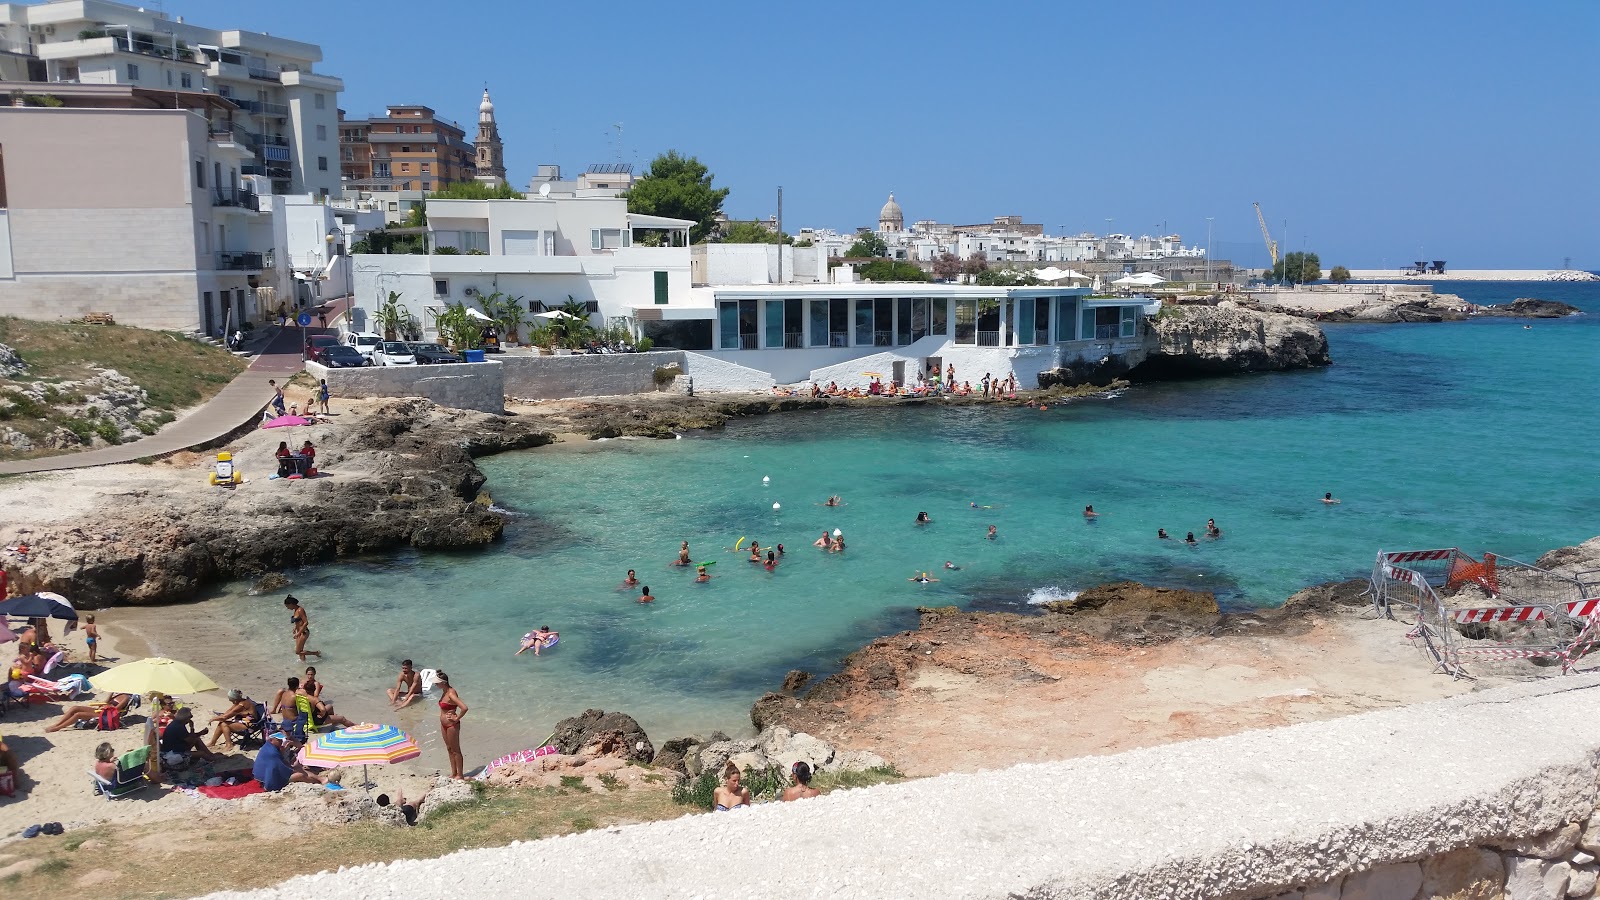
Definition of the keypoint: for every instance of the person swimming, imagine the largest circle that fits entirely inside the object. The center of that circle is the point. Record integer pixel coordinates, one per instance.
(1161, 534)
(755, 552)
(631, 580)
(644, 593)
(780, 549)
(993, 533)
(1190, 539)
(1329, 498)
(683, 555)
(951, 566)
(823, 541)
(834, 500)
(1089, 513)
(701, 575)
(922, 578)
(772, 560)
(1212, 531)
(922, 518)
(543, 639)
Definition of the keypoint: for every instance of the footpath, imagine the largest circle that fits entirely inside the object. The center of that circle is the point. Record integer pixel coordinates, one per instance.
(241, 400)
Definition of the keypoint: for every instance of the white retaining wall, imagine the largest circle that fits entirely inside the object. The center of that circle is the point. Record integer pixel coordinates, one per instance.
(603, 375)
(712, 374)
(1244, 816)
(479, 386)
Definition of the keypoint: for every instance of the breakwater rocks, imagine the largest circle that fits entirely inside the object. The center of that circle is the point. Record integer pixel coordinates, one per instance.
(1225, 339)
(1428, 308)
(399, 474)
(1530, 308)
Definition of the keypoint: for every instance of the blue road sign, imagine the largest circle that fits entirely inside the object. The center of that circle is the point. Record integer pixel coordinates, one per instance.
(304, 319)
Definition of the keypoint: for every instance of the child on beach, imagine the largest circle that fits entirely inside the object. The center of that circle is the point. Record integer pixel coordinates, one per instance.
(91, 636)
(322, 395)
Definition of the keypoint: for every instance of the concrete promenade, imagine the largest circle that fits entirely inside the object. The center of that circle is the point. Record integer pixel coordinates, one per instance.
(238, 402)
(1248, 815)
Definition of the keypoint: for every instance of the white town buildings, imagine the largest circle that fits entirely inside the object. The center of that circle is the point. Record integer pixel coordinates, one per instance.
(168, 174)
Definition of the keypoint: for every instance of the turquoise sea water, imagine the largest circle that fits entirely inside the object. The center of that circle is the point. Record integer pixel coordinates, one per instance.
(1479, 434)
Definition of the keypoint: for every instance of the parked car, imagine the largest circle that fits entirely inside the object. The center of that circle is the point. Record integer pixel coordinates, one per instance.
(393, 353)
(363, 342)
(340, 356)
(318, 341)
(432, 354)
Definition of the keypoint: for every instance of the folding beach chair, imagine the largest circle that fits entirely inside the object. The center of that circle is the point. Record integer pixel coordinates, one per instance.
(130, 775)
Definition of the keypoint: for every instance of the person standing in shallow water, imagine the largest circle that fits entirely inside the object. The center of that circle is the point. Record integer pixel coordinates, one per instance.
(301, 623)
(644, 595)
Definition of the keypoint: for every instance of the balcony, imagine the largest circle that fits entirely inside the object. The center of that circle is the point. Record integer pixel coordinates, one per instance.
(268, 140)
(988, 339)
(236, 198)
(262, 74)
(262, 108)
(277, 173)
(239, 261)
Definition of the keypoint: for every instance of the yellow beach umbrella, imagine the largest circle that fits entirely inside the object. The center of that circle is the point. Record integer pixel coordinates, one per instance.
(168, 676)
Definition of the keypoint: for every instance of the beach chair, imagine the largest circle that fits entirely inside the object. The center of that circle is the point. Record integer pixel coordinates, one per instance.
(257, 733)
(130, 775)
(306, 724)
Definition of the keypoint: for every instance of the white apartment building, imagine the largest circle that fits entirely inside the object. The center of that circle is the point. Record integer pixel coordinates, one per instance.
(158, 227)
(285, 114)
(543, 251)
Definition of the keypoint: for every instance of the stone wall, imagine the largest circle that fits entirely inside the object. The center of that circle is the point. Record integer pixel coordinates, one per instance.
(1482, 796)
(711, 375)
(479, 386)
(602, 375)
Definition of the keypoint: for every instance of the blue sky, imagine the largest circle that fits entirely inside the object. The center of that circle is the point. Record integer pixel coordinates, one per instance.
(1379, 131)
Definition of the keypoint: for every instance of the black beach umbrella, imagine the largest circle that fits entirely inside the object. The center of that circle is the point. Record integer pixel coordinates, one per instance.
(38, 606)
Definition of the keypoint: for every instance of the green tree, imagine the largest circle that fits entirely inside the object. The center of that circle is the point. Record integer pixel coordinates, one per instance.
(476, 190)
(1297, 268)
(751, 233)
(891, 270)
(1339, 275)
(868, 245)
(416, 216)
(976, 264)
(678, 187)
(1006, 278)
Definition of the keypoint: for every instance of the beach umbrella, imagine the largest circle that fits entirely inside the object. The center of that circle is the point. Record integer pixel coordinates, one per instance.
(476, 314)
(363, 745)
(554, 314)
(168, 676)
(38, 606)
(873, 374)
(285, 422)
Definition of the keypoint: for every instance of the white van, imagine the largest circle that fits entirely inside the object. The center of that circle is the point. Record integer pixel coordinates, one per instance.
(363, 342)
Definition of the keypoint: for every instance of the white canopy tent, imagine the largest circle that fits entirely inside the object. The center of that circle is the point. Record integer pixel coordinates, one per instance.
(1051, 273)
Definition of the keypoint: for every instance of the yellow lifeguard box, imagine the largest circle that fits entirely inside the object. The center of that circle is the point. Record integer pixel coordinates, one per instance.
(224, 473)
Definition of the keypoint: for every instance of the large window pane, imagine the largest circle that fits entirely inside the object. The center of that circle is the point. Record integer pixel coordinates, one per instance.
(988, 323)
(1041, 321)
(775, 324)
(919, 319)
(819, 323)
(1025, 306)
(748, 325)
(1067, 319)
(728, 325)
(1086, 329)
(794, 323)
(882, 322)
(903, 333)
(864, 323)
(838, 323)
(1130, 321)
(941, 316)
(966, 321)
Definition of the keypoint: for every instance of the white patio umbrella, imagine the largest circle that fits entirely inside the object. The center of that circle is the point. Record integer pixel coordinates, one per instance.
(554, 314)
(475, 314)
(1127, 281)
(1148, 278)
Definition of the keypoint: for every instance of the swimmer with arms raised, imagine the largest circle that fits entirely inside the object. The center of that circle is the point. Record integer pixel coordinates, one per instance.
(922, 578)
(683, 555)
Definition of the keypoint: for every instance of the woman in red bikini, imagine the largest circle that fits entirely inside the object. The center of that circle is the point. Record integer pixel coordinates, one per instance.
(451, 709)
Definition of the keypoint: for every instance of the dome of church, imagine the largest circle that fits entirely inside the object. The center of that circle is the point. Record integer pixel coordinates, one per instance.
(891, 211)
(487, 106)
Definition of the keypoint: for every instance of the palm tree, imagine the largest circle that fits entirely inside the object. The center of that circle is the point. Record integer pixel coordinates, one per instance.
(390, 316)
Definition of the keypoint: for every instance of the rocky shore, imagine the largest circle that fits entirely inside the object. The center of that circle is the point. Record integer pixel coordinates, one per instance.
(1430, 308)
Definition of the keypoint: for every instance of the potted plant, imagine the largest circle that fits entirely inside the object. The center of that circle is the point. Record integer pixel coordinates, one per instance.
(390, 317)
(543, 337)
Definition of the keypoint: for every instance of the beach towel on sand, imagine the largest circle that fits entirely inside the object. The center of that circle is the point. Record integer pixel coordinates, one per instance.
(233, 791)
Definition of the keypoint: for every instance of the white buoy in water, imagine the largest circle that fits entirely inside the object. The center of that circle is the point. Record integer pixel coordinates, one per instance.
(776, 506)
(837, 533)
(765, 479)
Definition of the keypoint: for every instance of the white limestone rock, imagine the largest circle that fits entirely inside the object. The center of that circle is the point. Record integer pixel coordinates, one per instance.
(1553, 844)
(1581, 858)
(1584, 879)
(1536, 879)
(11, 365)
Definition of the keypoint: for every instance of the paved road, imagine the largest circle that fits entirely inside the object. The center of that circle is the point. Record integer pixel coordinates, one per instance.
(241, 400)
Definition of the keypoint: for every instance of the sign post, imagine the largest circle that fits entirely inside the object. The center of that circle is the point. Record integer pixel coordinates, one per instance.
(304, 320)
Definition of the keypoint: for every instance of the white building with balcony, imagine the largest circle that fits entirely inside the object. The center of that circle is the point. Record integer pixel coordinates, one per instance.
(542, 251)
(285, 114)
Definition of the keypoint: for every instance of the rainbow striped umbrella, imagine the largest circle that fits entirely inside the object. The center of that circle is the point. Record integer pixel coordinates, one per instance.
(359, 745)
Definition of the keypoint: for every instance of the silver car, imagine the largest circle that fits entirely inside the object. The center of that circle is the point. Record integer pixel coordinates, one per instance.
(393, 353)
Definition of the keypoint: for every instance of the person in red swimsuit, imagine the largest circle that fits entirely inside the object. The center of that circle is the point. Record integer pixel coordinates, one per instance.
(451, 710)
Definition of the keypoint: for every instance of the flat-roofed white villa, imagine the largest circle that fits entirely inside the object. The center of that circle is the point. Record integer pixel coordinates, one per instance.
(744, 327)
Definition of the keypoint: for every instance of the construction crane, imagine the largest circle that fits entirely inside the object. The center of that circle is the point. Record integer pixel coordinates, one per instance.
(1272, 245)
